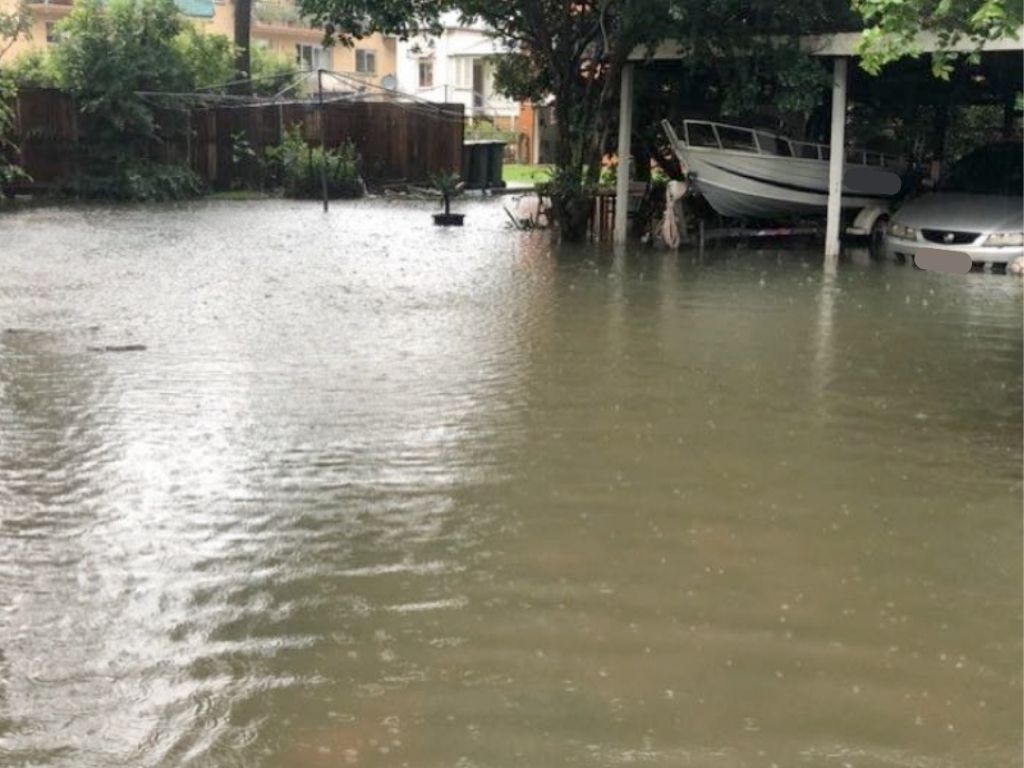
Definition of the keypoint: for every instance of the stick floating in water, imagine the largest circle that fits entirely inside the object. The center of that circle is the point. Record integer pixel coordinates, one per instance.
(119, 348)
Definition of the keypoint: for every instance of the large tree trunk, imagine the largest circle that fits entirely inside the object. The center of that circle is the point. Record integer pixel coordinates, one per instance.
(570, 204)
(243, 61)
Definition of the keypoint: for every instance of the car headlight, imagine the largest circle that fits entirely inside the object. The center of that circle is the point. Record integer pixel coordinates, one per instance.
(1005, 238)
(900, 231)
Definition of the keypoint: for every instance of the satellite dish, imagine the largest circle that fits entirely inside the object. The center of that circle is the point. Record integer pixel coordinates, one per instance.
(389, 82)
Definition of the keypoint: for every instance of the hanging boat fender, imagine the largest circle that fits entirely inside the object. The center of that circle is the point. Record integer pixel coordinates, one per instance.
(671, 223)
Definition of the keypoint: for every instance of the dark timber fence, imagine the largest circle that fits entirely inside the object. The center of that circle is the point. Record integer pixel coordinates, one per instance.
(396, 141)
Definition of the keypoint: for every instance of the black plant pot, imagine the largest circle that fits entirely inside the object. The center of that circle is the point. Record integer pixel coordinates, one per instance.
(449, 219)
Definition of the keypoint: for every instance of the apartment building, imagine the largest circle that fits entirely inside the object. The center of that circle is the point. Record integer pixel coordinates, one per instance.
(276, 25)
(457, 66)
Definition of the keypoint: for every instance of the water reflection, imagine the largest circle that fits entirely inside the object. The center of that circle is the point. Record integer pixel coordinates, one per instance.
(454, 498)
(823, 342)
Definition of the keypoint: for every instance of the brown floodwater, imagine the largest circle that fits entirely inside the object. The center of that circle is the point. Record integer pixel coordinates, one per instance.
(284, 489)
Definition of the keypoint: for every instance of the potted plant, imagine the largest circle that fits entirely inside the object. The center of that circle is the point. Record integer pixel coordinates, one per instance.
(449, 185)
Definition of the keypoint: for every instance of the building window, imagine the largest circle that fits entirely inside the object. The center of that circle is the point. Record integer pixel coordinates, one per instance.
(427, 73)
(463, 72)
(366, 61)
(310, 57)
(51, 33)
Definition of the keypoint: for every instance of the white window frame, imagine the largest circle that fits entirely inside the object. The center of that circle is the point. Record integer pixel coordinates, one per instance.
(368, 63)
(463, 72)
(318, 57)
(426, 65)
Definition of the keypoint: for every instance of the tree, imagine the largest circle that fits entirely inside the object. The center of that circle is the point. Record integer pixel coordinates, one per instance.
(113, 50)
(349, 20)
(14, 24)
(111, 54)
(33, 69)
(10, 171)
(893, 25)
(209, 60)
(272, 71)
(243, 42)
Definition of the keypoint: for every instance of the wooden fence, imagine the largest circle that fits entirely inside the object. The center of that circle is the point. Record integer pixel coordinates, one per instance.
(396, 141)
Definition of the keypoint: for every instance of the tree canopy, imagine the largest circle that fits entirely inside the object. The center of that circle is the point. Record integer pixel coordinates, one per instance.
(892, 27)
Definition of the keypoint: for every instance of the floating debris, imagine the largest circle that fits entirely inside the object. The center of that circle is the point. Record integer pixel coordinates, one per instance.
(119, 348)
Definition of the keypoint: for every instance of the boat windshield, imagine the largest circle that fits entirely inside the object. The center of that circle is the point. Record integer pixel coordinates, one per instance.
(997, 169)
(704, 133)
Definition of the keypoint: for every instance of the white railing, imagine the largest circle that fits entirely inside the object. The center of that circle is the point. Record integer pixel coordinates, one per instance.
(705, 133)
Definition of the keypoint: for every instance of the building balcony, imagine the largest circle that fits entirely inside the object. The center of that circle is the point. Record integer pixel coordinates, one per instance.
(277, 14)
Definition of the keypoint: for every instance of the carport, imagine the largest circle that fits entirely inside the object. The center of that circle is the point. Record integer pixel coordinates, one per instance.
(840, 48)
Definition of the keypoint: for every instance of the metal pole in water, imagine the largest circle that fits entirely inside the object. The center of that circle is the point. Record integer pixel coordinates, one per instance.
(624, 150)
(323, 134)
(836, 159)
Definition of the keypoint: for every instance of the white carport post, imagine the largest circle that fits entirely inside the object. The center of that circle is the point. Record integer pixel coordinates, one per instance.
(836, 157)
(622, 171)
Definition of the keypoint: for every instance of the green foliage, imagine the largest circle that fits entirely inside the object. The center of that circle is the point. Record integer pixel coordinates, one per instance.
(519, 77)
(515, 173)
(15, 23)
(892, 26)
(483, 129)
(778, 75)
(34, 69)
(449, 185)
(972, 126)
(110, 52)
(298, 167)
(9, 169)
(351, 20)
(137, 180)
(271, 71)
(208, 60)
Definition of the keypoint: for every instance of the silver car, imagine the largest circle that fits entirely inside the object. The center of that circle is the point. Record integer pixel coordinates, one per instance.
(976, 210)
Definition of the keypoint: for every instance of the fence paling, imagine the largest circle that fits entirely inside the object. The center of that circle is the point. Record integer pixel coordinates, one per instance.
(395, 141)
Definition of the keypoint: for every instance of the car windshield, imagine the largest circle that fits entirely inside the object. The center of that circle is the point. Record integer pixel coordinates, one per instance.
(993, 170)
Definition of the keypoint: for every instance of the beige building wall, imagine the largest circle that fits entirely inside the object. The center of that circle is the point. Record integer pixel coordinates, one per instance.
(44, 16)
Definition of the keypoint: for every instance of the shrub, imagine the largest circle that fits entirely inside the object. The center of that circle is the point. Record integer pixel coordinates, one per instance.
(10, 171)
(139, 180)
(297, 167)
(34, 69)
(110, 51)
(271, 71)
(208, 60)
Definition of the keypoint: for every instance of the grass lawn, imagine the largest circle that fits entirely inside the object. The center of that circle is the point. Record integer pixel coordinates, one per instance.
(513, 173)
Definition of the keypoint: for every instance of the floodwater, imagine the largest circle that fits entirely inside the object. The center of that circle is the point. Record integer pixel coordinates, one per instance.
(380, 494)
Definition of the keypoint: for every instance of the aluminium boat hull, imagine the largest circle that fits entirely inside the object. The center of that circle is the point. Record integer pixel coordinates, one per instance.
(740, 184)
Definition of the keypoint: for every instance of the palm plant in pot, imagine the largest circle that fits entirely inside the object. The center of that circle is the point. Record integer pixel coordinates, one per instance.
(449, 185)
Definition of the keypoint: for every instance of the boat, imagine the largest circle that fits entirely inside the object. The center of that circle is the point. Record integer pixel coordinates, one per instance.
(751, 173)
